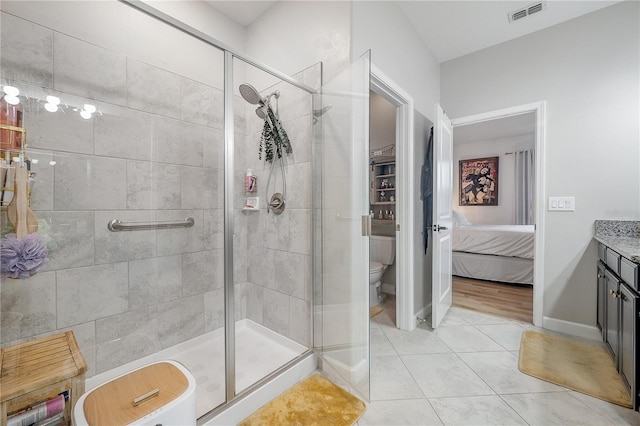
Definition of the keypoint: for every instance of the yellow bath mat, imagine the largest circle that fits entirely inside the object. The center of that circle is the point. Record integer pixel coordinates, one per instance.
(313, 401)
(375, 310)
(579, 366)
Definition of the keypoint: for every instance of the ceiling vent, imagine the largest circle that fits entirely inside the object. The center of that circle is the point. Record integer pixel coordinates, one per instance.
(527, 11)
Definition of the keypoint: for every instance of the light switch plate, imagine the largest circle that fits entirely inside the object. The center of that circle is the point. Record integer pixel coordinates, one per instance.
(562, 204)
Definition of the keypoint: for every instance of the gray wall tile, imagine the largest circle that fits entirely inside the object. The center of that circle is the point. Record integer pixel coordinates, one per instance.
(152, 89)
(202, 271)
(26, 51)
(153, 185)
(42, 188)
(202, 104)
(87, 70)
(214, 314)
(124, 133)
(86, 294)
(89, 183)
(276, 315)
(28, 306)
(201, 188)
(178, 142)
(300, 321)
(214, 148)
(124, 245)
(180, 240)
(292, 274)
(300, 231)
(71, 238)
(180, 320)
(154, 281)
(213, 229)
(126, 337)
(61, 131)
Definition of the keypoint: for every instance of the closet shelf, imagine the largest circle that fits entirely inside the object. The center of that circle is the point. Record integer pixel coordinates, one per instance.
(383, 203)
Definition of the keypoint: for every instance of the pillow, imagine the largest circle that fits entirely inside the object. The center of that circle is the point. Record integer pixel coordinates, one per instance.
(459, 220)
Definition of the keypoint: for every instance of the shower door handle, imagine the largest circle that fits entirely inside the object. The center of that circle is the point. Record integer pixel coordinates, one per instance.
(366, 225)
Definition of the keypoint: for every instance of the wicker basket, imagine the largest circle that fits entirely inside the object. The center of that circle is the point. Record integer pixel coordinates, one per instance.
(385, 151)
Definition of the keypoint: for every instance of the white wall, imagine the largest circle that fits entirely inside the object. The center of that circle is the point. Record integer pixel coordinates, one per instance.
(382, 122)
(397, 50)
(205, 18)
(504, 212)
(292, 35)
(587, 70)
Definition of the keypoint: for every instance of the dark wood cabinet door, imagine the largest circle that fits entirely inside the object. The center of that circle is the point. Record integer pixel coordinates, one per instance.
(627, 342)
(613, 316)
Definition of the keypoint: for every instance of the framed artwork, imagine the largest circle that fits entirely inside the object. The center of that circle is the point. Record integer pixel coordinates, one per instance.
(479, 182)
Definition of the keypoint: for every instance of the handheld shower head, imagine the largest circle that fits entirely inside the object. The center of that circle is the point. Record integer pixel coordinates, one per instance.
(250, 94)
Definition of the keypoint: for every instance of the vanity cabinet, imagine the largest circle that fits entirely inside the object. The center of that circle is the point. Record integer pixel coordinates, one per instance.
(618, 315)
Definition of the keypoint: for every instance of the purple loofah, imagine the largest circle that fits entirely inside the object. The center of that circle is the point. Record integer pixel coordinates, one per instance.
(22, 258)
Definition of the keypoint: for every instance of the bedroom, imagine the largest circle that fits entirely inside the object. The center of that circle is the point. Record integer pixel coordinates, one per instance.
(493, 223)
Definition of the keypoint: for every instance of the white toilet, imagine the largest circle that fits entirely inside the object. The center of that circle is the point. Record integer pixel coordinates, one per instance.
(381, 254)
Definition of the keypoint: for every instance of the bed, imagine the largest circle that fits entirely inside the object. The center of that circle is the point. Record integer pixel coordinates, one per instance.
(501, 253)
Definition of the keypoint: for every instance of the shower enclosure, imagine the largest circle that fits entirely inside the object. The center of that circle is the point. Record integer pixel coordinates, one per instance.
(134, 117)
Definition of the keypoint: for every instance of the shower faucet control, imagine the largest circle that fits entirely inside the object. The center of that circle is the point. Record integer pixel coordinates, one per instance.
(277, 203)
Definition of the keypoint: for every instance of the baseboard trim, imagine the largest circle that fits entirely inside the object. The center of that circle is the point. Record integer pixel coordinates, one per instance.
(572, 328)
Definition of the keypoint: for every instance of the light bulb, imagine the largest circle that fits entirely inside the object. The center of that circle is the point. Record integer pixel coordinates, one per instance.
(90, 108)
(53, 100)
(11, 91)
(52, 163)
(85, 114)
(51, 107)
(13, 100)
(34, 161)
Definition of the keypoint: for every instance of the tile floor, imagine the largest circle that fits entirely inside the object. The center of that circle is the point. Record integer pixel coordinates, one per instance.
(466, 373)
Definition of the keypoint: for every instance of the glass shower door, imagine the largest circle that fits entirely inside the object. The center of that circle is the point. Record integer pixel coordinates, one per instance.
(342, 271)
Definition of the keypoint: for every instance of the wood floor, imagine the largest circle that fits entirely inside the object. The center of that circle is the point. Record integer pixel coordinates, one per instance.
(503, 300)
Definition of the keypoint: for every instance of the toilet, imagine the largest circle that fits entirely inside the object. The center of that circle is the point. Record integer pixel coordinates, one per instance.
(381, 254)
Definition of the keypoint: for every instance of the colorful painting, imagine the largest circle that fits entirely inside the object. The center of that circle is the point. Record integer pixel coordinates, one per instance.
(479, 182)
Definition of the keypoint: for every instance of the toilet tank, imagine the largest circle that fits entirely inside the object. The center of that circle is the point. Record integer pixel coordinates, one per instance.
(160, 393)
(382, 249)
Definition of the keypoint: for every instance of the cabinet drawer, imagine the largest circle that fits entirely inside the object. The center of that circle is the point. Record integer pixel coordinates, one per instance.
(613, 261)
(602, 252)
(629, 273)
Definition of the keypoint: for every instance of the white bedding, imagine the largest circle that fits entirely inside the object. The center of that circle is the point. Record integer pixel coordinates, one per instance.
(499, 240)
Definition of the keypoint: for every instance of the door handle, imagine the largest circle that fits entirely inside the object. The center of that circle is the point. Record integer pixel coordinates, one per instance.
(438, 228)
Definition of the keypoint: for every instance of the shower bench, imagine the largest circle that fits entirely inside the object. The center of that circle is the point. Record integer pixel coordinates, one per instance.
(39, 370)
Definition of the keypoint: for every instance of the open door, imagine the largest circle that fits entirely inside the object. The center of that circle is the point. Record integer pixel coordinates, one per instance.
(342, 226)
(442, 219)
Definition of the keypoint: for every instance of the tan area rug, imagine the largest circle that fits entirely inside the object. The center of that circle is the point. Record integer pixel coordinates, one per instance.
(313, 401)
(579, 366)
(374, 311)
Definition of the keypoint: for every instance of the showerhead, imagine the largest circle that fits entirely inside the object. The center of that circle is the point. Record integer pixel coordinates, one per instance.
(319, 113)
(250, 94)
(261, 112)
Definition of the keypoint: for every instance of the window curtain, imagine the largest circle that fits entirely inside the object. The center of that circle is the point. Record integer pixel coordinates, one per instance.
(525, 186)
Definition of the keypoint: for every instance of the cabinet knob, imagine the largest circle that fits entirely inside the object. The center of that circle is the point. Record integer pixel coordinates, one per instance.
(600, 276)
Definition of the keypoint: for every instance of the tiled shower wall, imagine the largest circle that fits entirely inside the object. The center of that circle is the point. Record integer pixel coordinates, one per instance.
(153, 152)
(278, 287)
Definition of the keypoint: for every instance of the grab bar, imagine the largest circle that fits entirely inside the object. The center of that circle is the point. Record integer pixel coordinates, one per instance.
(117, 225)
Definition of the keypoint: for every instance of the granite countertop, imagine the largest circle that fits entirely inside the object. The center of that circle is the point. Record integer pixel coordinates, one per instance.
(621, 236)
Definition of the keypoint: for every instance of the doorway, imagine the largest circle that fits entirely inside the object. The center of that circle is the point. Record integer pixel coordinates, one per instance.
(405, 184)
(533, 116)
